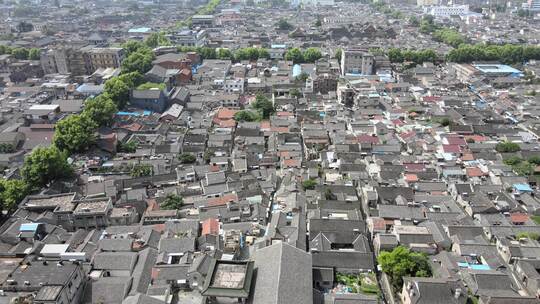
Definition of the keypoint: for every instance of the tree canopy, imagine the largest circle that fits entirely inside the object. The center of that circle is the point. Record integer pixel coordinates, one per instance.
(507, 147)
(100, 109)
(44, 165)
(139, 61)
(187, 158)
(418, 57)
(246, 115)
(75, 133)
(140, 170)
(172, 202)
(118, 91)
(283, 25)
(12, 191)
(401, 262)
(309, 184)
(264, 106)
(157, 39)
(309, 55)
(508, 53)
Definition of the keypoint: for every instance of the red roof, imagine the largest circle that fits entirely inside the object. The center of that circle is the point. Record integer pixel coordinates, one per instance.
(285, 114)
(451, 148)
(519, 218)
(367, 139)
(222, 200)
(210, 226)
(411, 178)
(292, 163)
(412, 167)
(467, 156)
(398, 122)
(225, 113)
(455, 140)
(474, 172)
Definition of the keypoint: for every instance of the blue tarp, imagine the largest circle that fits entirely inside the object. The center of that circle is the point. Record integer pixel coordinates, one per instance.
(29, 227)
(144, 113)
(523, 188)
(296, 70)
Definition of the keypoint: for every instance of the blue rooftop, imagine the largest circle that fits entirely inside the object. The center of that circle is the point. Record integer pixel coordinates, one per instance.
(474, 266)
(523, 188)
(139, 30)
(496, 69)
(144, 113)
(29, 227)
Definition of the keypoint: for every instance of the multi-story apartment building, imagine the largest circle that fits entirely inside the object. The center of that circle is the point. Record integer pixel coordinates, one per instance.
(357, 61)
(104, 58)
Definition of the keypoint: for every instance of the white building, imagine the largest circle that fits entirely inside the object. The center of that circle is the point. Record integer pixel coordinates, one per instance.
(317, 2)
(533, 5)
(447, 11)
(234, 85)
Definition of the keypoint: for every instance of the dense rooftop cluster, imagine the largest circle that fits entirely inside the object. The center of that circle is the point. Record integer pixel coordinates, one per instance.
(269, 152)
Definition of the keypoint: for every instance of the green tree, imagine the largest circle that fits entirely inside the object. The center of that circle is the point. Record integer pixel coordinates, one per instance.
(535, 160)
(20, 53)
(208, 154)
(311, 55)
(283, 25)
(100, 109)
(44, 165)
(224, 54)
(187, 158)
(75, 133)
(34, 54)
(309, 184)
(401, 262)
(172, 202)
(294, 92)
(395, 55)
(133, 46)
(339, 53)
(246, 115)
(302, 77)
(139, 61)
(157, 39)
(295, 55)
(512, 161)
(264, 106)
(140, 170)
(507, 147)
(524, 168)
(151, 85)
(445, 122)
(12, 191)
(132, 79)
(118, 91)
(129, 147)
(318, 23)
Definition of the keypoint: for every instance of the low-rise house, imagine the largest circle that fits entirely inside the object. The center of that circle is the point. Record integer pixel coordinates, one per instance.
(152, 99)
